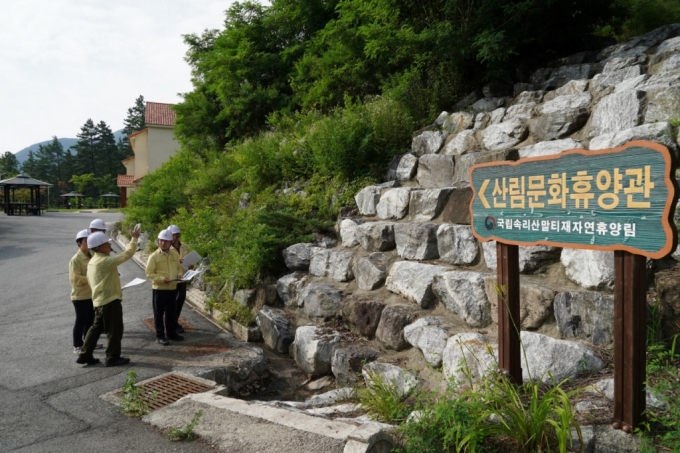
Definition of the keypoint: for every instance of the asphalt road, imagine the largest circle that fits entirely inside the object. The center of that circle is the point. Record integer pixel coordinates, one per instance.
(48, 403)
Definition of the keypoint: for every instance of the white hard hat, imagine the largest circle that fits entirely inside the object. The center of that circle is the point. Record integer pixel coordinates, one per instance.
(98, 224)
(165, 235)
(82, 234)
(174, 229)
(96, 239)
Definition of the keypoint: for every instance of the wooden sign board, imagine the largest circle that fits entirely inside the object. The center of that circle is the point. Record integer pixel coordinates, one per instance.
(613, 199)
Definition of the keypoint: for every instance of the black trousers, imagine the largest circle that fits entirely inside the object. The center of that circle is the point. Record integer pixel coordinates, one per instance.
(164, 302)
(181, 297)
(84, 320)
(108, 319)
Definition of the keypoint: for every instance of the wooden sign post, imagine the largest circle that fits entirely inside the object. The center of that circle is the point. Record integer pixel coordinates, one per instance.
(620, 200)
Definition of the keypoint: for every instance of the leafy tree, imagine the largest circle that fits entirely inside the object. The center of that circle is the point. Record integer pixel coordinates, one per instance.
(81, 182)
(9, 165)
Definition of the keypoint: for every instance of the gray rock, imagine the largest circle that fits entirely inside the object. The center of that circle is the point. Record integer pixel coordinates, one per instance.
(429, 335)
(640, 44)
(610, 440)
(550, 359)
(371, 271)
(661, 132)
(313, 348)
(328, 398)
(348, 228)
(617, 112)
(588, 443)
(505, 135)
(403, 381)
(663, 104)
(393, 203)
(440, 119)
(246, 297)
(458, 122)
(613, 78)
(336, 264)
(435, 171)
(390, 330)
(548, 148)
(671, 65)
(564, 74)
(572, 87)
(536, 303)
(416, 241)
(297, 256)
(427, 204)
(362, 316)
(376, 236)
(591, 269)
(347, 363)
(288, 287)
(585, 315)
(522, 112)
(428, 142)
(461, 177)
(481, 121)
(497, 115)
(636, 83)
(456, 244)
(321, 301)
(464, 293)
(276, 329)
(488, 105)
(464, 142)
(560, 117)
(468, 356)
(528, 97)
(605, 387)
(530, 258)
(413, 281)
(367, 199)
(402, 168)
(565, 104)
(618, 63)
(457, 209)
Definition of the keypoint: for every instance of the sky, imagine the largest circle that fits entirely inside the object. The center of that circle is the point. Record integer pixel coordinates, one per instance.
(64, 61)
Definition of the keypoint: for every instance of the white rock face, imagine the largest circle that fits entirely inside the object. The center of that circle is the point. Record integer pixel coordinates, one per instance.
(504, 135)
(348, 229)
(297, 256)
(612, 78)
(522, 112)
(549, 148)
(565, 103)
(572, 87)
(367, 199)
(371, 271)
(560, 359)
(441, 118)
(416, 241)
(376, 236)
(671, 65)
(288, 287)
(456, 244)
(275, 328)
(435, 171)
(404, 381)
(528, 97)
(427, 204)
(320, 301)
(662, 104)
(658, 132)
(497, 115)
(393, 203)
(457, 122)
(428, 335)
(617, 112)
(313, 348)
(464, 293)
(530, 258)
(413, 281)
(462, 143)
(428, 142)
(402, 168)
(591, 269)
(466, 354)
(336, 264)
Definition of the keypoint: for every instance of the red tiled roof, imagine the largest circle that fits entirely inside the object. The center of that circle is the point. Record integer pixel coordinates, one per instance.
(125, 180)
(159, 114)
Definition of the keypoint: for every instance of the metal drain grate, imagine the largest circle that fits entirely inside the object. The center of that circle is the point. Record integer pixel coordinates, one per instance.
(170, 388)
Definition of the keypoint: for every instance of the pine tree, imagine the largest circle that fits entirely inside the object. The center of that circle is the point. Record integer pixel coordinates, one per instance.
(133, 123)
(29, 165)
(107, 149)
(9, 165)
(86, 149)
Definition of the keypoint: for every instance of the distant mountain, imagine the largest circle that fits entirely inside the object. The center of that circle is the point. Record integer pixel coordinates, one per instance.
(65, 142)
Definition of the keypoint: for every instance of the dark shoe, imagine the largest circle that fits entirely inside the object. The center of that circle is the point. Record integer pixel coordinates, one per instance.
(162, 340)
(180, 329)
(117, 361)
(87, 361)
(176, 337)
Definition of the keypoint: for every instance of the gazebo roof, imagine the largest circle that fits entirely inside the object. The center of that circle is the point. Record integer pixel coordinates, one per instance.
(23, 181)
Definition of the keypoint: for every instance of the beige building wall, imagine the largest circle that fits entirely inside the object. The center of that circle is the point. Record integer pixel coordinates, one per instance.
(162, 145)
(140, 144)
(129, 166)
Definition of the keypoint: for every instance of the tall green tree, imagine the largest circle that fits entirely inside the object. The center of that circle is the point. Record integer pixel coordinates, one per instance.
(86, 148)
(9, 165)
(29, 165)
(133, 122)
(107, 150)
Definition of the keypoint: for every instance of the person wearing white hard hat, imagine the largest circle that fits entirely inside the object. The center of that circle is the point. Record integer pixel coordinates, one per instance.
(107, 297)
(97, 225)
(183, 251)
(81, 294)
(163, 269)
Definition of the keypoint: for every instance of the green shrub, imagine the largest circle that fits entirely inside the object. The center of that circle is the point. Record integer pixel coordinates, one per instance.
(233, 310)
(186, 433)
(383, 401)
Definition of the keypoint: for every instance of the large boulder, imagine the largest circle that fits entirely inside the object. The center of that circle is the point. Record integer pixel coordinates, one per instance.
(313, 348)
(390, 330)
(640, 44)
(362, 316)
(586, 315)
(667, 284)
(367, 199)
(464, 142)
(428, 142)
(414, 281)
(425, 205)
(416, 241)
(461, 177)
(348, 229)
(560, 117)
(435, 171)
(288, 287)
(614, 77)
(617, 112)
(276, 329)
(429, 335)
(468, 356)
(456, 244)
(457, 208)
(393, 203)
(297, 256)
(320, 301)
(403, 381)
(376, 236)
(550, 359)
(347, 363)
(662, 104)
(458, 122)
(464, 293)
(548, 148)
(591, 269)
(530, 258)
(402, 168)
(370, 271)
(522, 112)
(498, 137)
(661, 132)
(336, 264)
(536, 303)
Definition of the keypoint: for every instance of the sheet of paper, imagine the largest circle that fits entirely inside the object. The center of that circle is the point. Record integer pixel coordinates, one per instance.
(191, 258)
(188, 276)
(135, 282)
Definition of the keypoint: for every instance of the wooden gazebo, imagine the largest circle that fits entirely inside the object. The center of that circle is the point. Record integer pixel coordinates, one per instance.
(13, 205)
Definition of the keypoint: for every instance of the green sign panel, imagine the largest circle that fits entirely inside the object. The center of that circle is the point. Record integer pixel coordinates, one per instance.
(615, 199)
